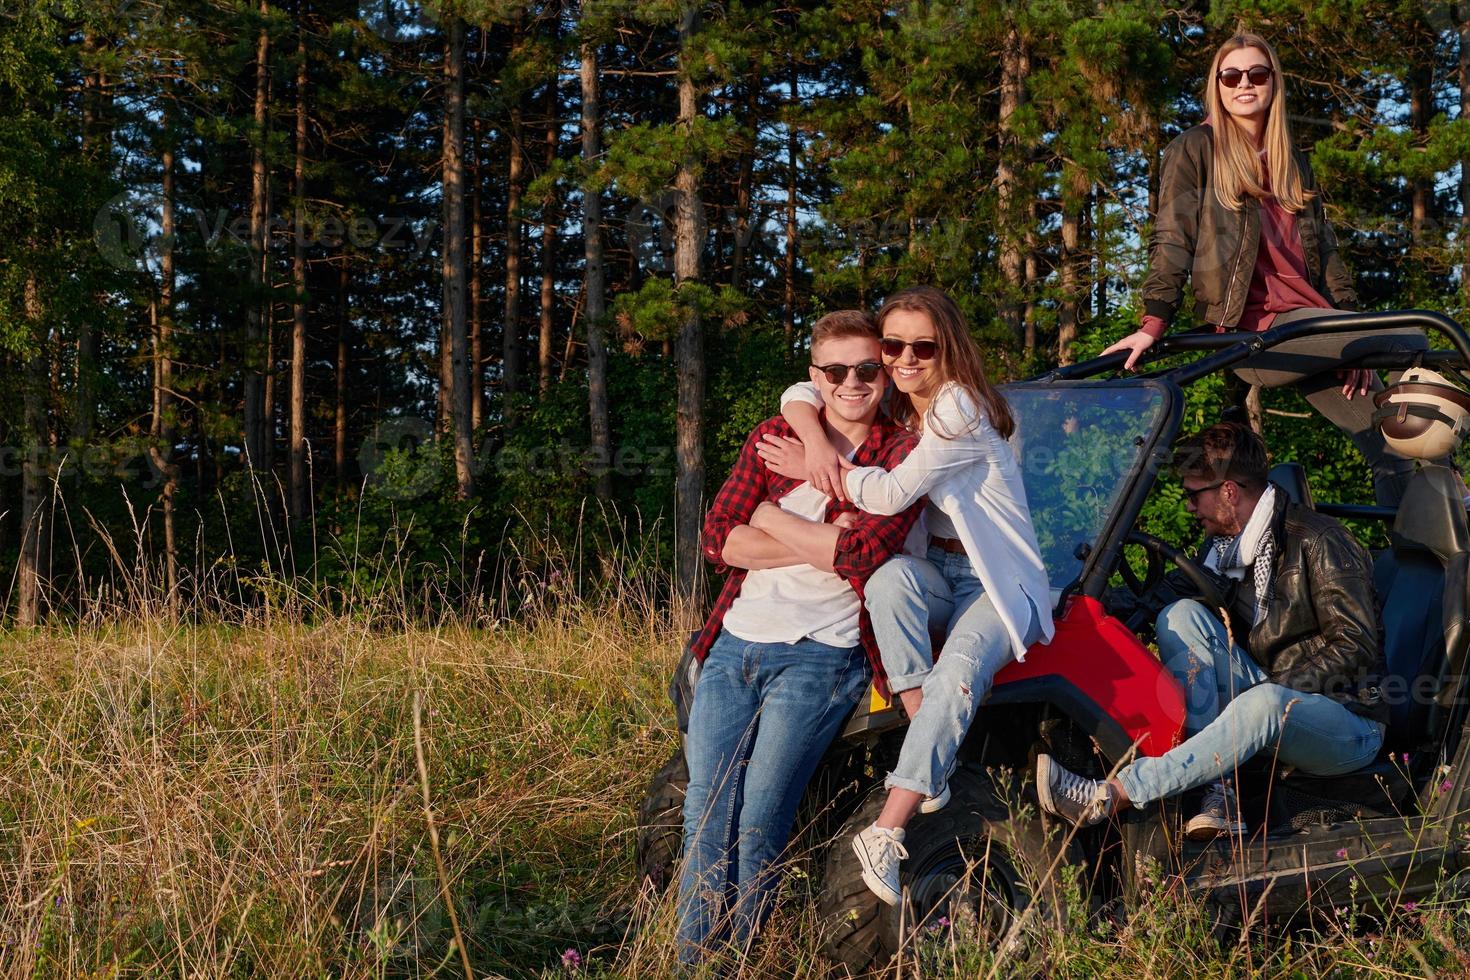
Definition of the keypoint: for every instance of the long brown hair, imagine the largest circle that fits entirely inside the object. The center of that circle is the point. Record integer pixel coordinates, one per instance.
(1238, 172)
(957, 359)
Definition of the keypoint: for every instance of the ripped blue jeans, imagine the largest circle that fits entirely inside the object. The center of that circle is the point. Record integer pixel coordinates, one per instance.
(1233, 712)
(905, 598)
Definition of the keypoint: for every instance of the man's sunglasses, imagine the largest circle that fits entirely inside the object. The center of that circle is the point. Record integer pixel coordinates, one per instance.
(924, 350)
(1193, 495)
(1230, 77)
(837, 373)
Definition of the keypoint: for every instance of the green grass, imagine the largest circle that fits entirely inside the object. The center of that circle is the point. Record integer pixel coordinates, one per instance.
(244, 801)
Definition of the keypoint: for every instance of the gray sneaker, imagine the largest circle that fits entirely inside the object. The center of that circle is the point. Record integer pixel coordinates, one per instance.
(1219, 814)
(880, 850)
(1074, 798)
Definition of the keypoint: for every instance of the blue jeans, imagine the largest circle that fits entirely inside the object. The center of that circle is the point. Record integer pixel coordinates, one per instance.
(1233, 711)
(906, 598)
(762, 718)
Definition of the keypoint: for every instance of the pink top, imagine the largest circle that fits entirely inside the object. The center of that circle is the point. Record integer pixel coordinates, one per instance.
(1279, 280)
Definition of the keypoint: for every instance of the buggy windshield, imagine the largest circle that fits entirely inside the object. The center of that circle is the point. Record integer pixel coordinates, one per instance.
(1077, 443)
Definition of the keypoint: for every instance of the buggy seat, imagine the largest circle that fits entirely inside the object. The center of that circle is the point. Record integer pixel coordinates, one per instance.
(1421, 583)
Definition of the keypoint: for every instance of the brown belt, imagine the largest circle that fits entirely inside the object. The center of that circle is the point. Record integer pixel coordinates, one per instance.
(953, 545)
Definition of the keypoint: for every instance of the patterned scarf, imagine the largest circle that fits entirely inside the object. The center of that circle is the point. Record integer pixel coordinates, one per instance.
(1254, 548)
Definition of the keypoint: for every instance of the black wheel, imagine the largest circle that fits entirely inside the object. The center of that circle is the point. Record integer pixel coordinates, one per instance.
(661, 822)
(974, 859)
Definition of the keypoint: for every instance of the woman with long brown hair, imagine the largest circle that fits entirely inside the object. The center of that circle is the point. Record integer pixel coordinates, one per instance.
(1241, 220)
(978, 577)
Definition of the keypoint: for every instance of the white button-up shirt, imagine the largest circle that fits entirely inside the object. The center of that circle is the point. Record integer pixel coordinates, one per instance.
(975, 480)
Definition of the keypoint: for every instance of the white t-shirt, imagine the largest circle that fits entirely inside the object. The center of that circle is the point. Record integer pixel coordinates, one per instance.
(971, 477)
(784, 605)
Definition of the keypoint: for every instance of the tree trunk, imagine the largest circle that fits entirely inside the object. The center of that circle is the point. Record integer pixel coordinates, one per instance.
(510, 358)
(743, 182)
(268, 452)
(300, 490)
(96, 146)
(1420, 103)
(1098, 216)
(454, 256)
(30, 566)
(477, 259)
(548, 246)
(8, 369)
(339, 422)
(689, 356)
(1155, 173)
(1008, 192)
(161, 429)
(1463, 28)
(788, 316)
(1032, 281)
(1254, 412)
(254, 376)
(1074, 200)
(593, 275)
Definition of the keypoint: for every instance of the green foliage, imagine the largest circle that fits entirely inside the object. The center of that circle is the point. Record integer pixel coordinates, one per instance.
(750, 374)
(658, 309)
(877, 124)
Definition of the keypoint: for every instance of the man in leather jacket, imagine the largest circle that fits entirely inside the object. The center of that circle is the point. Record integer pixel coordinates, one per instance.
(1300, 592)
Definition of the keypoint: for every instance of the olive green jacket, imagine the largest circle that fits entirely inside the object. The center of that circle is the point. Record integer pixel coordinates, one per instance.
(1196, 239)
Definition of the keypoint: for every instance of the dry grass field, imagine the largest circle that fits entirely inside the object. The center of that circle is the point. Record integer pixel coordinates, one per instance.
(244, 798)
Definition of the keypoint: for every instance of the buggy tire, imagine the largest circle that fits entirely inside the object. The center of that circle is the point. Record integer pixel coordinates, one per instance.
(1004, 852)
(661, 823)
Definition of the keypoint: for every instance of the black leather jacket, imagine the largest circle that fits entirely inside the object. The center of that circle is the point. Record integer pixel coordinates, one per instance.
(1321, 632)
(1196, 240)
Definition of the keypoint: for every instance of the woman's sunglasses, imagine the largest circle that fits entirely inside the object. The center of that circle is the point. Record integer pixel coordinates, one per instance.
(837, 373)
(924, 350)
(1230, 77)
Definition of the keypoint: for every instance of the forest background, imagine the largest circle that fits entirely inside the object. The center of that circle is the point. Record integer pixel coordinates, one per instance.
(365, 293)
(367, 366)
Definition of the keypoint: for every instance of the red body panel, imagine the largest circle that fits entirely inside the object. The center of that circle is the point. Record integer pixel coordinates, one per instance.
(1098, 656)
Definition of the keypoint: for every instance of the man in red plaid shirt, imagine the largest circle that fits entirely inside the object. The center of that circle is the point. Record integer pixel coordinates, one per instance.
(787, 651)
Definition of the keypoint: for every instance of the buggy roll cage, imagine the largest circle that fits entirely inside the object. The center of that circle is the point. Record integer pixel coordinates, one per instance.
(1226, 350)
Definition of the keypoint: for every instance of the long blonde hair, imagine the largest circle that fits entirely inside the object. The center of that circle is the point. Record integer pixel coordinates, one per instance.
(957, 359)
(1237, 171)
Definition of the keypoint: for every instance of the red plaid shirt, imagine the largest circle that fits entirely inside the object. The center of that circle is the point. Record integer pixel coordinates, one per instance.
(860, 549)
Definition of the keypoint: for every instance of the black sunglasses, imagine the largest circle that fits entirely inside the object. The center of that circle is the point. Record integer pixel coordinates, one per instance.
(1230, 77)
(837, 373)
(1191, 495)
(924, 350)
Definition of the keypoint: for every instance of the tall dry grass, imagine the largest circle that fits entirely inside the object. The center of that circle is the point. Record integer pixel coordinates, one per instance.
(239, 794)
(245, 801)
(242, 797)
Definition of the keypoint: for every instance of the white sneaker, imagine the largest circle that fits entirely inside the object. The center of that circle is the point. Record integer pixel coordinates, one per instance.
(933, 804)
(1219, 814)
(880, 850)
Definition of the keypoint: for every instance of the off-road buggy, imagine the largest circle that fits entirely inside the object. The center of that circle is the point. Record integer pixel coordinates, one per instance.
(1093, 443)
